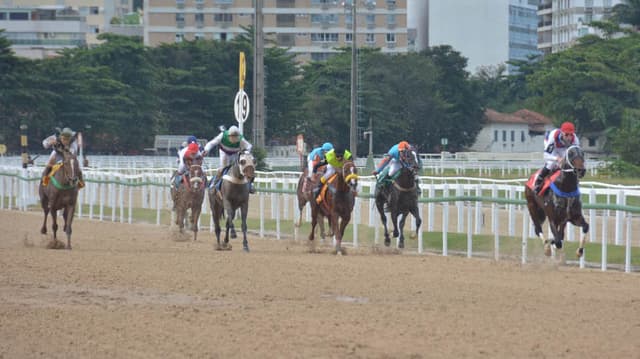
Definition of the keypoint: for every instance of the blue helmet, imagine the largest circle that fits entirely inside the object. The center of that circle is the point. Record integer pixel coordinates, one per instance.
(327, 146)
(191, 139)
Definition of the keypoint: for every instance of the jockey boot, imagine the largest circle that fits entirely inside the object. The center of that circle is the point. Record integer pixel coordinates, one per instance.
(540, 179)
(173, 177)
(45, 175)
(80, 180)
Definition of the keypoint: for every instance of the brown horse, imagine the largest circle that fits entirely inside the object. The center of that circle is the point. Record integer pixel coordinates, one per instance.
(336, 202)
(61, 193)
(304, 193)
(562, 203)
(190, 194)
(233, 194)
(401, 198)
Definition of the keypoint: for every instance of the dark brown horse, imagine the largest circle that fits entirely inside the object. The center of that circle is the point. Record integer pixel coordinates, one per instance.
(233, 194)
(190, 195)
(400, 197)
(61, 193)
(337, 201)
(304, 193)
(559, 201)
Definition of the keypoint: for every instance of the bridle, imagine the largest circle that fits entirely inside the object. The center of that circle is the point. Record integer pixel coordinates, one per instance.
(579, 171)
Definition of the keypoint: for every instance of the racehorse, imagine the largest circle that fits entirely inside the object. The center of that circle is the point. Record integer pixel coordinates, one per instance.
(400, 197)
(304, 193)
(190, 194)
(336, 202)
(560, 205)
(233, 194)
(61, 193)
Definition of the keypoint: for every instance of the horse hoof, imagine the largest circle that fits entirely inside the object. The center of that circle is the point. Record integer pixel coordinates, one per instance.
(246, 249)
(401, 244)
(580, 252)
(558, 244)
(547, 250)
(387, 242)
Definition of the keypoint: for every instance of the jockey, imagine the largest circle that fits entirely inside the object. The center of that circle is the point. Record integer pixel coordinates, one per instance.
(183, 149)
(334, 159)
(555, 146)
(392, 163)
(230, 142)
(316, 156)
(65, 141)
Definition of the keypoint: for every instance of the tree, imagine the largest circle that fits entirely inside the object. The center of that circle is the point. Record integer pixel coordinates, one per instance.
(627, 12)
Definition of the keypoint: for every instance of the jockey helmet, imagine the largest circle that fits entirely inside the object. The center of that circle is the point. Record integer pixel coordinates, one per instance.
(192, 149)
(66, 132)
(568, 127)
(403, 146)
(234, 131)
(327, 146)
(339, 151)
(192, 139)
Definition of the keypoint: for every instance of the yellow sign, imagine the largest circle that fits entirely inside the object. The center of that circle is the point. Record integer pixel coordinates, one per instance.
(3, 149)
(243, 70)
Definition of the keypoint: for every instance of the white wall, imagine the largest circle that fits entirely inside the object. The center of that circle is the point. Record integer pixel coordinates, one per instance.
(485, 139)
(479, 29)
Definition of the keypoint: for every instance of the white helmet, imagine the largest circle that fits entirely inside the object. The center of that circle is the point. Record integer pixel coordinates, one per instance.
(234, 130)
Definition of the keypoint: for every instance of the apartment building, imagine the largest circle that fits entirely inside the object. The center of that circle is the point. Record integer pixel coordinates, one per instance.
(311, 29)
(40, 28)
(562, 22)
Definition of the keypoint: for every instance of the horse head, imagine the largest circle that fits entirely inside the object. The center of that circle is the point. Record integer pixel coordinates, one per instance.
(350, 175)
(196, 173)
(247, 164)
(70, 168)
(573, 161)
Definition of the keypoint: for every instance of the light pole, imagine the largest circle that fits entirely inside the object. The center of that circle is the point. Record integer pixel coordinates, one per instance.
(23, 145)
(353, 129)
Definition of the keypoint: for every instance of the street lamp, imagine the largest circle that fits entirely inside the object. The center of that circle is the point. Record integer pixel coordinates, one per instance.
(353, 129)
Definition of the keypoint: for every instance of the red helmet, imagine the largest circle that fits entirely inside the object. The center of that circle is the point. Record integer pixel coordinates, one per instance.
(192, 149)
(568, 127)
(403, 145)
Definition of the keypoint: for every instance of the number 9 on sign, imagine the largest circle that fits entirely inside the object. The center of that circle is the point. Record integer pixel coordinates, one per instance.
(241, 106)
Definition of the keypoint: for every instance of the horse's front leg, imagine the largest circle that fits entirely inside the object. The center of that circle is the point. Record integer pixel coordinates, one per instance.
(383, 219)
(45, 208)
(581, 222)
(243, 216)
(68, 220)
(314, 221)
(416, 214)
(54, 223)
(195, 216)
(394, 218)
(401, 229)
(340, 232)
(230, 215)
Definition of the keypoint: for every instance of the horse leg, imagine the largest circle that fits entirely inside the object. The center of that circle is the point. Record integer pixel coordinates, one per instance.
(54, 223)
(243, 215)
(314, 222)
(195, 215)
(340, 232)
(230, 215)
(216, 223)
(580, 221)
(416, 214)
(68, 219)
(45, 208)
(394, 219)
(383, 219)
(401, 230)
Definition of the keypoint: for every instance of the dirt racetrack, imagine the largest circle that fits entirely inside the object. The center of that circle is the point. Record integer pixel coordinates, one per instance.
(133, 291)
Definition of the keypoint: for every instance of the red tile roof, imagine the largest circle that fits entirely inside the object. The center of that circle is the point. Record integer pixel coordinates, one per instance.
(535, 120)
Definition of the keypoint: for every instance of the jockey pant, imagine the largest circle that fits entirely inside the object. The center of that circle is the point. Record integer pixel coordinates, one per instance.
(227, 159)
(394, 166)
(310, 165)
(329, 171)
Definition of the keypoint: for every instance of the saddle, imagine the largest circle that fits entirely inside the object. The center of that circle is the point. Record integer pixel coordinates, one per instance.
(321, 198)
(531, 183)
(216, 181)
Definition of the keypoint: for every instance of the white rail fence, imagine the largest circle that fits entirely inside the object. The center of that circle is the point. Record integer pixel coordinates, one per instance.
(459, 205)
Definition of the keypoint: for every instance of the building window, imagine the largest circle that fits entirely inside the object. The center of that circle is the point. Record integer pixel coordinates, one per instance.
(179, 37)
(371, 20)
(504, 136)
(391, 38)
(592, 141)
(348, 37)
(94, 10)
(370, 38)
(495, 135)
(223, 17)
(199, 36)
(513, 136)
(18, 16)
(522, 137)
(199, 18)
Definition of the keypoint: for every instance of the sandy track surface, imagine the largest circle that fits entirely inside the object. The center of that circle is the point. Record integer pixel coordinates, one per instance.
(135, 291)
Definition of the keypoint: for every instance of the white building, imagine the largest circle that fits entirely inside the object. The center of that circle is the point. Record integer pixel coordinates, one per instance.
(521, 131)
(562, 22)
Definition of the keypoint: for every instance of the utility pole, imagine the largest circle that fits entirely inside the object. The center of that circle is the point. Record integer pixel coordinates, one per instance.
(258, 77)
(353, 131)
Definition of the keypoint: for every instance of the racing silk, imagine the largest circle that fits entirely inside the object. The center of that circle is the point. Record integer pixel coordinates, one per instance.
(554, 148)
(394, 153)
(316, 155)
(331, 159)
(225, 145)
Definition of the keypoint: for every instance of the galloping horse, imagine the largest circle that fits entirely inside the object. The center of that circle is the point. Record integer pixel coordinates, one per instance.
(233, 194)
(190, 194)
(560, 205)
(337, 201)
(61, 193)
(401, 198)
(305, 194)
